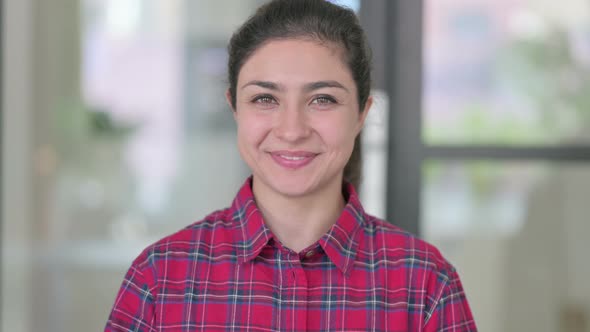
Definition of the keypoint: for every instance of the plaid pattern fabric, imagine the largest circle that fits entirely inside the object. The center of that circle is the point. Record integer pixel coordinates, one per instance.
(228, 273)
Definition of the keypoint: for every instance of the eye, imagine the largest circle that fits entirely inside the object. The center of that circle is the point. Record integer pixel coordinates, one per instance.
(264, 100)
(323, 100)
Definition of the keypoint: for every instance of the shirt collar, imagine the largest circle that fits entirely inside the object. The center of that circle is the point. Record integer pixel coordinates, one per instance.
(252, 234)
(339, 243)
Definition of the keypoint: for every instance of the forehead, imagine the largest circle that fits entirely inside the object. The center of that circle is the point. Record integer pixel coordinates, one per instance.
(296, 60)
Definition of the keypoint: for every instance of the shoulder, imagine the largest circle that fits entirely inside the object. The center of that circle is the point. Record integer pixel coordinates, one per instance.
(394, 244)
(413, 264)
(217, 227)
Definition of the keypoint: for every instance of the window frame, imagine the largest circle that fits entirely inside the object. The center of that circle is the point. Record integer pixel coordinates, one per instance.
(395, 31)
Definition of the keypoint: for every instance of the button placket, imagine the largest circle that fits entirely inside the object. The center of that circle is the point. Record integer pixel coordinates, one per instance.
(293, 263)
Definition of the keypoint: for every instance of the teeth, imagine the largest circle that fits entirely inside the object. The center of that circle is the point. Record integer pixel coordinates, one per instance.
(292, 158)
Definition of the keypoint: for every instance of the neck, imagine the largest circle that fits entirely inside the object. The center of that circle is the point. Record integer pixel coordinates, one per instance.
(298, 222)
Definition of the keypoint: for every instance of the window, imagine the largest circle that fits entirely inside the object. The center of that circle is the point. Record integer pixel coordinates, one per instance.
(490, 159)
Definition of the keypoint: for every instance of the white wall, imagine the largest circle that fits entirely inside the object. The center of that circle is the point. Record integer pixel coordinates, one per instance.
(17, 165)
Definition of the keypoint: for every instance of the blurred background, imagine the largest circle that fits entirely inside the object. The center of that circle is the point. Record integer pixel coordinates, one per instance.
(115, 132)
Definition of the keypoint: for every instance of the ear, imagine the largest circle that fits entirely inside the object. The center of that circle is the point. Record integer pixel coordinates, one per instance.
(228, 100)
(363, 114)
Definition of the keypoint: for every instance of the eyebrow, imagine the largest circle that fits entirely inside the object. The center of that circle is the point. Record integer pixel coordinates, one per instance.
(309, 87)
(323, 84)
(263, 84)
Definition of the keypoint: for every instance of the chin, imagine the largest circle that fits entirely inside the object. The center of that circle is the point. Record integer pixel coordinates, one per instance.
(290, 185)
(293, 187)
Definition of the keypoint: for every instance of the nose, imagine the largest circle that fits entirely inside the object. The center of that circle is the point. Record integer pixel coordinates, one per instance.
(292, 124)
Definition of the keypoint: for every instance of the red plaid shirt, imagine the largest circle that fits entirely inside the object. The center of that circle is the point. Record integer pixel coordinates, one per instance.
(228, 273)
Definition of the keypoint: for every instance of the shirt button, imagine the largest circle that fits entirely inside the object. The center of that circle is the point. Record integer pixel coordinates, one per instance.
(309, 253)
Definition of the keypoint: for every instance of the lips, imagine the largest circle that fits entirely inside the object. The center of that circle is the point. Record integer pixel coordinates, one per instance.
(293, 159)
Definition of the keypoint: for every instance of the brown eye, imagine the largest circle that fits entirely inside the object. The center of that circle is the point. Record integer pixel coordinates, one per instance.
(323, 101)
(264, 99)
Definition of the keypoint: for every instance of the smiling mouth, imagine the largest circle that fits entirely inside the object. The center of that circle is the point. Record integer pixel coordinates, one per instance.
(293, 159)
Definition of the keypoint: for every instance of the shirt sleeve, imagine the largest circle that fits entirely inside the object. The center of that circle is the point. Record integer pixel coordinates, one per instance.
(451, 312)
(134, 305)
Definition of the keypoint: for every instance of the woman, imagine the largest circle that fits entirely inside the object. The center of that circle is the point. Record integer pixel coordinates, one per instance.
(295, 251)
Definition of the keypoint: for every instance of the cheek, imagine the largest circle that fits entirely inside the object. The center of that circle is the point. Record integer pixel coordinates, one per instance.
(339, 133)
(251, 131)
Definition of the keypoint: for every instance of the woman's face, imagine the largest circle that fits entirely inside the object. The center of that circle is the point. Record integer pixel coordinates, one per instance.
(297, 116)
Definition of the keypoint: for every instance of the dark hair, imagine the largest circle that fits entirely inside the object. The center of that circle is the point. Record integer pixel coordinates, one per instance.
(315, 19)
